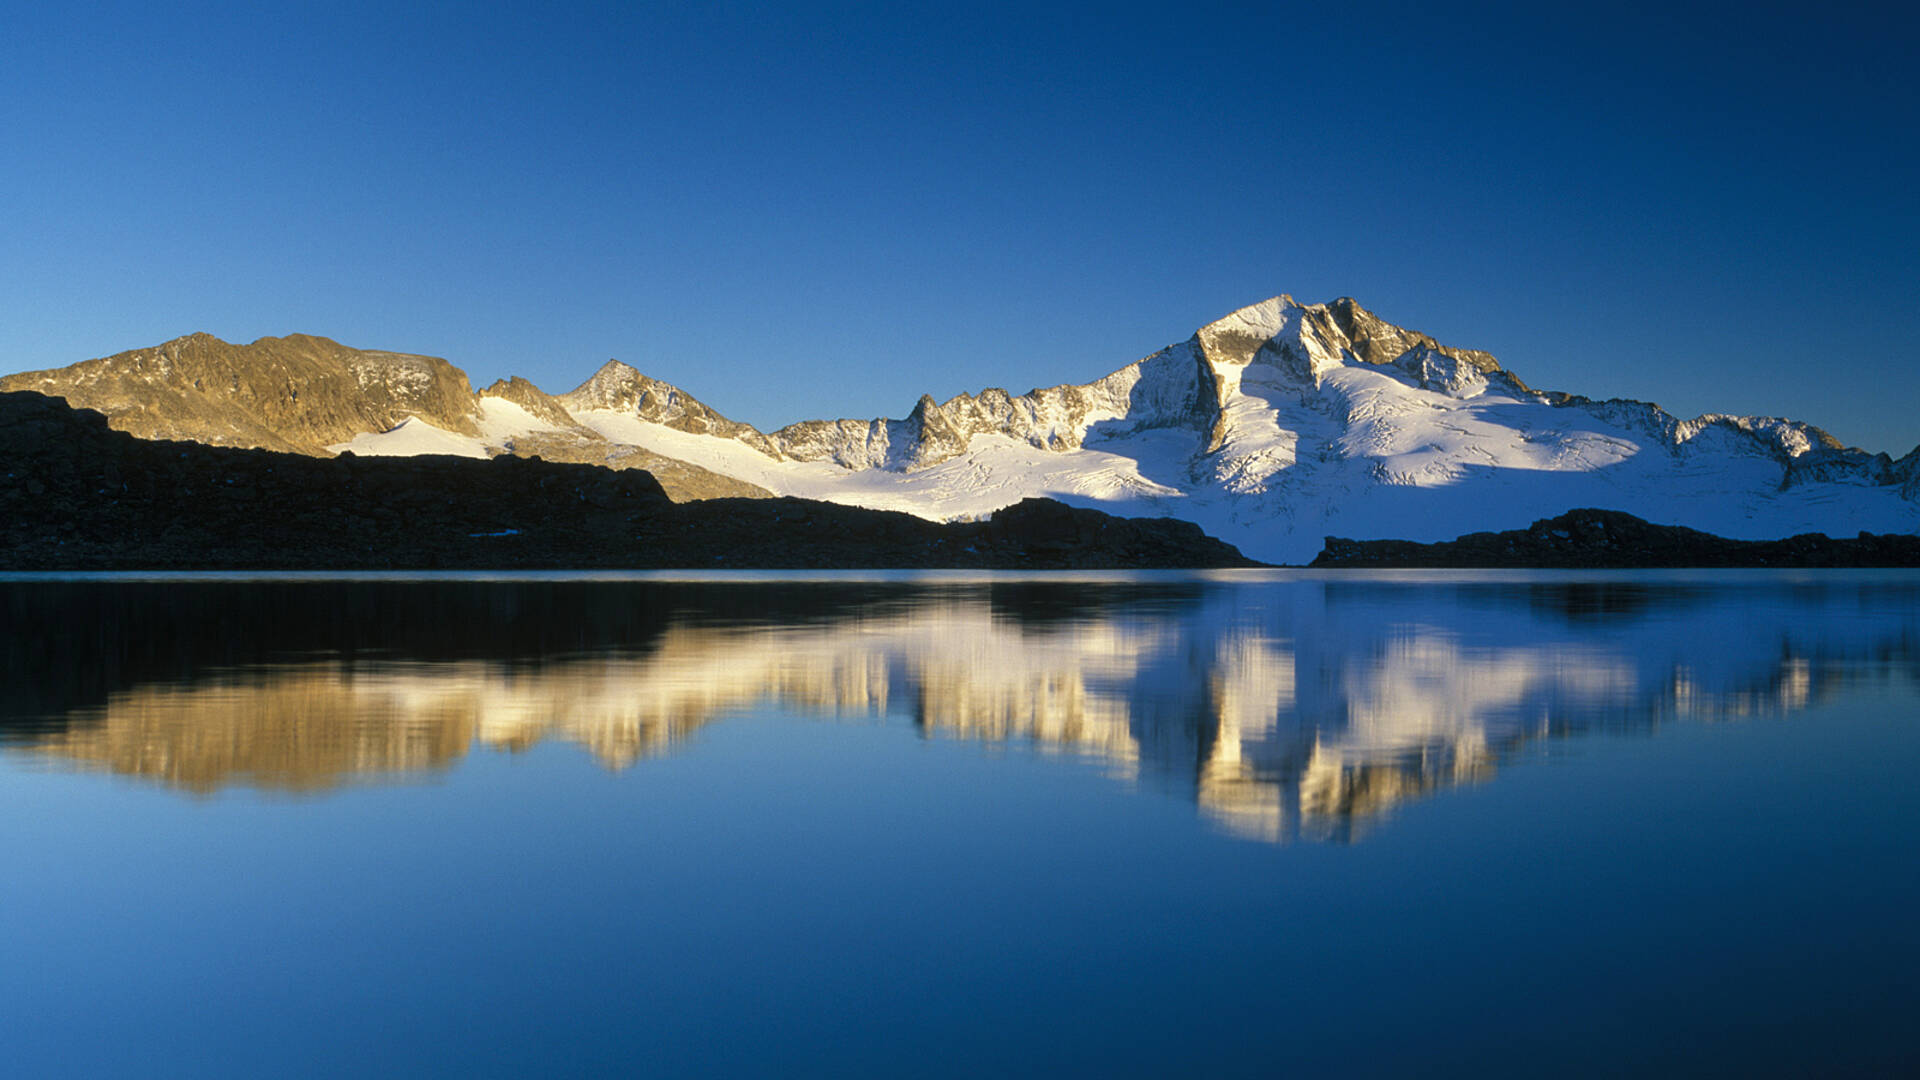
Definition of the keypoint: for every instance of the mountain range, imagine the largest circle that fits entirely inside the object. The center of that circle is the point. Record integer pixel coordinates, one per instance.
(1273, 427)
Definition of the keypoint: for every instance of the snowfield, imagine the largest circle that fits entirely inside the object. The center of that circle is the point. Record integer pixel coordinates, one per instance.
(413, 436)
(1274, 428)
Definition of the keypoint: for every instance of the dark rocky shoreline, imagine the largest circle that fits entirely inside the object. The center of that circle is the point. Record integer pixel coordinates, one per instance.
(76, 495)
(1610, 539)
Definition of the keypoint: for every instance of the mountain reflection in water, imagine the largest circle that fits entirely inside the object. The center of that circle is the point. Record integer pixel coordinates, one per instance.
(1287, 707)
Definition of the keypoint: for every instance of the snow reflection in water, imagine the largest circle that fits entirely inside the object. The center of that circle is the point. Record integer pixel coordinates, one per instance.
(1286, 707)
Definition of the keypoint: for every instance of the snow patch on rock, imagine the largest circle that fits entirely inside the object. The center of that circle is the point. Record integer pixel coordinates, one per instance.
(413, 436)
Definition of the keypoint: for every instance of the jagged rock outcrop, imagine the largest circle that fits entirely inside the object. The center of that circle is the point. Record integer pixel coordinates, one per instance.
(617, 387)
(1375, 341)
(537, 402)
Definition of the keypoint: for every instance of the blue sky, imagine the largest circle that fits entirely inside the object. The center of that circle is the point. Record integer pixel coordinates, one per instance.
(832, 209)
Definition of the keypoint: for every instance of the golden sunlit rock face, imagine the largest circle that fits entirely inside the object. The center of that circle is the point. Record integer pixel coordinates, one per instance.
(1306, 727)
(295, 728)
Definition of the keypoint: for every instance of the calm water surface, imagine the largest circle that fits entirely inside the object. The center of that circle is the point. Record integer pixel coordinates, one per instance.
(1241, 824)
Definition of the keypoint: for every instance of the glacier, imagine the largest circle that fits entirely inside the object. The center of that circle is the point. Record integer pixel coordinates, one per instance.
(1273, 428)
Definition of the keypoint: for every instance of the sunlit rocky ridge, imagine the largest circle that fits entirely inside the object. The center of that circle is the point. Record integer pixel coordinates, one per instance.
(1304, 709)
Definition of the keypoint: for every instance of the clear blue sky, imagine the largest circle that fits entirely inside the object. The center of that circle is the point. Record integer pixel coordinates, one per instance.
(832, 211)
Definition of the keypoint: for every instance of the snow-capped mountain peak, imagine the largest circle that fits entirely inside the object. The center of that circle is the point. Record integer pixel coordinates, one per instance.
(1281, 422)
(1274, 426)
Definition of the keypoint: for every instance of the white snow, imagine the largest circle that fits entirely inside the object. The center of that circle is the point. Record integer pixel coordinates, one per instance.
(413, 436)
(996, 471)
(1310, 442)
(728, 457)
(501, 420)
(1366, 453)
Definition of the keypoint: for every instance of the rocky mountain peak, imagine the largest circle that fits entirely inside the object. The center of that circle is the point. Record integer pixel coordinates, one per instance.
(1236, 337)
(1376, 341)
(613, 386)
(297, 393)
(617, 387)
(1307, 340)
(1187, 385)
(538, 403)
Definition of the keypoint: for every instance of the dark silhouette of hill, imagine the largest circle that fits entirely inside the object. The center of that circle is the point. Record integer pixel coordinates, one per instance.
(1580, 539)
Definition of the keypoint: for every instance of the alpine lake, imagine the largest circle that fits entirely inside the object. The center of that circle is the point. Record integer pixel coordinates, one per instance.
(1245, 823)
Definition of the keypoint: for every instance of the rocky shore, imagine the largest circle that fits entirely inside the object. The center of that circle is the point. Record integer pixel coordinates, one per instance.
(1583, 539)
(76, 495)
